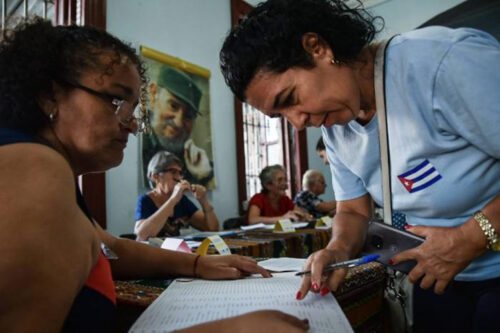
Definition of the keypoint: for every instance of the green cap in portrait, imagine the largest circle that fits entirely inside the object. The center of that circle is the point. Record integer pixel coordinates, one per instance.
(181, 85)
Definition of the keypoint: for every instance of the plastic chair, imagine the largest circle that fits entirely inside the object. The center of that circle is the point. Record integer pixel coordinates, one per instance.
(233, 222)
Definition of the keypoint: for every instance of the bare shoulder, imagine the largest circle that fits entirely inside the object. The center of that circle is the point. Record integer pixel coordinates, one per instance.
(39, 208)
(21, 158)
(36, 177)
(44, 235)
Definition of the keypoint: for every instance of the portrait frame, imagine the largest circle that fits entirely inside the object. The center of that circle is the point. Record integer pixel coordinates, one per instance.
(189, 136)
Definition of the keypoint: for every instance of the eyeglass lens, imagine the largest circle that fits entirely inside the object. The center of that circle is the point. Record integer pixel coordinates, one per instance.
(127, 112)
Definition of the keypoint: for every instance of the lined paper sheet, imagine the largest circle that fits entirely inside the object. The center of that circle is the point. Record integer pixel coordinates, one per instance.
(283, 264)
(185, 304)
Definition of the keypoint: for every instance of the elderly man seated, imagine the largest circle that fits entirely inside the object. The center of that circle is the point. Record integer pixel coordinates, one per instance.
(313, 184)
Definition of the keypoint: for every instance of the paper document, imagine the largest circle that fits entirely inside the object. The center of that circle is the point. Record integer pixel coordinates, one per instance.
(192, 243)
(205, 234)
(296, 225)
(323, 227)
(283, 264)
(185, 304)
(257, 226)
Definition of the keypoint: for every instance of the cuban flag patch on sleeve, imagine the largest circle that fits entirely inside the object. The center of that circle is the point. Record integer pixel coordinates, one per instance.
(420, 177)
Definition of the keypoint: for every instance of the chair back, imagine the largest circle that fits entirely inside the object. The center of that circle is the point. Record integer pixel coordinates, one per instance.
(128, 236)
(233, 222)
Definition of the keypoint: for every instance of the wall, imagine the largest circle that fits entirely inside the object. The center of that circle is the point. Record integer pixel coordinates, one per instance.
(404, 15)
(194, 30)
(181, 28)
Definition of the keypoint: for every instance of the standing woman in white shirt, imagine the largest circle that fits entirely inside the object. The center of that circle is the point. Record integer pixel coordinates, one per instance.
(312, 62)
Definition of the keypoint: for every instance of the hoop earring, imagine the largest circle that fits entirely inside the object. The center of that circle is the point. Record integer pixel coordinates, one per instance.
(335, 61)
(52, 116)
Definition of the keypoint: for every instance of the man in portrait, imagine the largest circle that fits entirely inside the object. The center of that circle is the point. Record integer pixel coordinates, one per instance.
(174, 102)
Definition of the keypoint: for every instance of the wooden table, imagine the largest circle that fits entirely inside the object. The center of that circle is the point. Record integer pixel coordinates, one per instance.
(361, 295)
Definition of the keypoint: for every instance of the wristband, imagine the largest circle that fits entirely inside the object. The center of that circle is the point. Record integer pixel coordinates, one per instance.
(195, 265)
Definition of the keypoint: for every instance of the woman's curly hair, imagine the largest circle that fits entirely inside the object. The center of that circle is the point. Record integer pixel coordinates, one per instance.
(270, 37)
(36, 54)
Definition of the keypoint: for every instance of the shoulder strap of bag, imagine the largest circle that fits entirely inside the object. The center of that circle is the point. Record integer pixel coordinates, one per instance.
(382, 128)
(395, 292)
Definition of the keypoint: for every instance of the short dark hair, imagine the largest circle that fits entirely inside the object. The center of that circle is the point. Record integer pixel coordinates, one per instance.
(270, 37)
(35, 54)
(320, 145)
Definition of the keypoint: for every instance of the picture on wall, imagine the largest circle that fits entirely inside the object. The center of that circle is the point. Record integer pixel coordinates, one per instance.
(179, 111)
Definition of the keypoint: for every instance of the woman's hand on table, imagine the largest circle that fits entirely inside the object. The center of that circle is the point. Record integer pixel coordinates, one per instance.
(216, 267)
(302, 214)
(317, 281)
(444, 254)
(290, 215)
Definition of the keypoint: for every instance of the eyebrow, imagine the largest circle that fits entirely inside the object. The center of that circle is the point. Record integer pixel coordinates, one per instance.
(127, 90)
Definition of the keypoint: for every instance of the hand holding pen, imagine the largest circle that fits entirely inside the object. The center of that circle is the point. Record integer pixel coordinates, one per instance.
(347, 263)
(322, 276)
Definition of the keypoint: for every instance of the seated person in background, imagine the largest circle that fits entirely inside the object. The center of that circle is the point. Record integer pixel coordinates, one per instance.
(314, 184)
(321, 150)
(272, 203)
(68, 97)
(165, 209)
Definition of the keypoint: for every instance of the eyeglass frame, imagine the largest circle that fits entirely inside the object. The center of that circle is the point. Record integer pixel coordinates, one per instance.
(174, 172)
(116, 103)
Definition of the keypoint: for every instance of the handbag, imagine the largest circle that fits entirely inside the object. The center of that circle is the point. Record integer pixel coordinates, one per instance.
(398, 293)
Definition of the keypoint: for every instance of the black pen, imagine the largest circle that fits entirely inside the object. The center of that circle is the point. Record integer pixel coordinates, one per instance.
(348, 263)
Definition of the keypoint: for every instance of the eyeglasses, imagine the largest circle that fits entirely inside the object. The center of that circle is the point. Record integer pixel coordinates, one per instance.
(124, 110)
(174, 171)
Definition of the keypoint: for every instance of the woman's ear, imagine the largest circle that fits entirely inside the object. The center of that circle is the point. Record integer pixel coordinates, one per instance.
(47, 101)
(156, 178)
(316, 46)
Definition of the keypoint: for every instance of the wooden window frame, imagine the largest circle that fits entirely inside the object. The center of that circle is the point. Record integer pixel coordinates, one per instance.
(295, 142)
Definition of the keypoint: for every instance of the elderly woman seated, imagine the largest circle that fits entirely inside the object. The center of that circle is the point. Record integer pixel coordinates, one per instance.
(313, 183)
(165, 209)
(272, 203)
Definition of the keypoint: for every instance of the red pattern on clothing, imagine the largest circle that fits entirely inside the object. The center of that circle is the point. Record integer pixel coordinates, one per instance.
(101, 280)
(260, 200)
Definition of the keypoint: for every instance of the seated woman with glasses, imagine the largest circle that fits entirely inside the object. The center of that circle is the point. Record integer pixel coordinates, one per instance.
(165, 209)
(272, 203)
(67, 101)
(313, 185)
